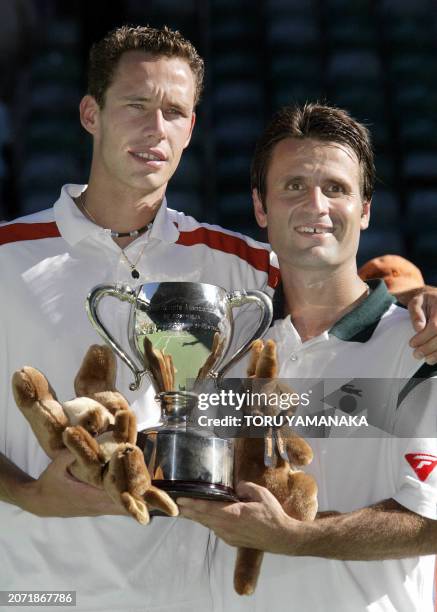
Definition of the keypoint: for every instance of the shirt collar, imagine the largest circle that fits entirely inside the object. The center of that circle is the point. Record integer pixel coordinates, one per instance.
(359, 324)
(75, 227)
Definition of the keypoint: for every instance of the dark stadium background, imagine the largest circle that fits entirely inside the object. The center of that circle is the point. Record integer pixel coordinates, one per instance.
(377, 58)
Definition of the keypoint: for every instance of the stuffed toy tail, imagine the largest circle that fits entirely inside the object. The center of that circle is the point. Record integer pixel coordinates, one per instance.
(247, 569)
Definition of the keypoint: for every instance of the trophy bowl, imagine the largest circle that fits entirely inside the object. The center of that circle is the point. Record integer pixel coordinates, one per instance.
(179, 335)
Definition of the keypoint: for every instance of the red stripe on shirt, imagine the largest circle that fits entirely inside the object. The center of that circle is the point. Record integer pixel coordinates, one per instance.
(233, 245)
(17, 232)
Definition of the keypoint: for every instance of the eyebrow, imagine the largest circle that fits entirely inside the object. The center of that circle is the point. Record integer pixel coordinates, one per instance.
(335, 178)
(136, 98)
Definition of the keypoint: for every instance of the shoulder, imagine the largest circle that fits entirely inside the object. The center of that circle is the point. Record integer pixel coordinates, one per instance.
(394, 324)
(244, 249)
(194, 232)
(31, 227)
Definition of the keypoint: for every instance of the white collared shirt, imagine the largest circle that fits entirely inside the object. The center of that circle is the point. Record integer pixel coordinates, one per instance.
(49, 261)
(354, 466)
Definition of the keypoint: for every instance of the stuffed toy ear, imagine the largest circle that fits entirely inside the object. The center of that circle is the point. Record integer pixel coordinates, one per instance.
(160, 365)
(211, 360)
(255, 352)
(267, 364)
(125, 427)
(37, 401)
(96, 379)
(97, 372)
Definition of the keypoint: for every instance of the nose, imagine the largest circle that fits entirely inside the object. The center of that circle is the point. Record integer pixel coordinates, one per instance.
(155, 124)
(317, 201)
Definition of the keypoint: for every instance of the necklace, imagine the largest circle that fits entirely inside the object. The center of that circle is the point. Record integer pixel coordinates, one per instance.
(133, 234)
(133, 265)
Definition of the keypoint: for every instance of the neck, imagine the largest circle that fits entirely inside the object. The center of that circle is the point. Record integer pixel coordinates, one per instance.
(120, 210)
(316, 300)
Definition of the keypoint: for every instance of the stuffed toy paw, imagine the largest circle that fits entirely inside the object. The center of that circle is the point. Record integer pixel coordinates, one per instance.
(271, 461)
(98, 428)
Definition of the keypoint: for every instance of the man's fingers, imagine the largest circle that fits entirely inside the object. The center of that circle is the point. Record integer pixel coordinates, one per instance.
(201, 506)
(425, 341)
(249, 491)
(194, 509)
(417, 314)
(427, 350)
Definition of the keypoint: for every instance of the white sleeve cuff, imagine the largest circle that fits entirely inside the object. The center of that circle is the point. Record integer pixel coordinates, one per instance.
(418, 497)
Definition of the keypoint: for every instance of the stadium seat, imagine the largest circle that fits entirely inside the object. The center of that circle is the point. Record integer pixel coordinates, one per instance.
(385, 211)
(237, 94)
(189, 202)
(189, 172)
(363, 66)
(376, 242)
(420, 165)
(293, 32)
(422, 211)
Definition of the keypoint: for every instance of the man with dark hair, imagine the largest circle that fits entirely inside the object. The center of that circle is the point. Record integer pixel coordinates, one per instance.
(323, 123)
(312, 179)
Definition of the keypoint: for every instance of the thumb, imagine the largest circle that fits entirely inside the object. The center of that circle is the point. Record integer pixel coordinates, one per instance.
(417, 314)
(249, 491)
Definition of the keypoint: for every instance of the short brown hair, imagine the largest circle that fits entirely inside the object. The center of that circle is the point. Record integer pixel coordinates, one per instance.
(105, 55)
(320, 122)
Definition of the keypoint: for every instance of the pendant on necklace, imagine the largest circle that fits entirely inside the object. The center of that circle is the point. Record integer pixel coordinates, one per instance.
(135, 273)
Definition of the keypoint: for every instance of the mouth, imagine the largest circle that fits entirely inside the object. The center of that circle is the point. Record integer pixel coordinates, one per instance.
(152, 159)
(311, 230)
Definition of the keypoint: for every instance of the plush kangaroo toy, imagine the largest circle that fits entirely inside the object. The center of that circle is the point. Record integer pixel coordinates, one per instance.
(283, 453)
(98, 428)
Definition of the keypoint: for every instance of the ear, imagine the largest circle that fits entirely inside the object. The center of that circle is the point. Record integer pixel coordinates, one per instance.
(365, 215)
(260, 214)
(89, 112)
(193, 121)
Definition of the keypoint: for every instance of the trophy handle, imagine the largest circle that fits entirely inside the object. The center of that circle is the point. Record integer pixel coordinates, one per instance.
(125, 294)
(264, 303)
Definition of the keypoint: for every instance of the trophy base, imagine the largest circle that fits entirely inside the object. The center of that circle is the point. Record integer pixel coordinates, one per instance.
(198, 490)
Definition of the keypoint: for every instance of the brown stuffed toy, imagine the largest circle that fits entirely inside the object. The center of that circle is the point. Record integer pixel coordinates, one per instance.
(283, 453)
(398, 273)
(98, 428)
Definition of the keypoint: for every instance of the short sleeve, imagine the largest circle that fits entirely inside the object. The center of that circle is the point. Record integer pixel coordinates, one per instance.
(414, 449)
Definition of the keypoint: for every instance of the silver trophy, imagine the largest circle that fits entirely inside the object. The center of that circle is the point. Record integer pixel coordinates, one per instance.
(179, 335)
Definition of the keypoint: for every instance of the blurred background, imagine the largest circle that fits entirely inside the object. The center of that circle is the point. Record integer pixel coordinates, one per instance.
(376, 58)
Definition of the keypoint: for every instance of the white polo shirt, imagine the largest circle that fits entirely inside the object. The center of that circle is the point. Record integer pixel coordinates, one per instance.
(356, 466)
(48, 263)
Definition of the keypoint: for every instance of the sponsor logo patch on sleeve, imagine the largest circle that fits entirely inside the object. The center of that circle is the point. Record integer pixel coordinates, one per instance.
(422, 463)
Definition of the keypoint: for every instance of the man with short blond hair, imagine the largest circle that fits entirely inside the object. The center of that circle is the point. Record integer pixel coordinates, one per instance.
(143, 86)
